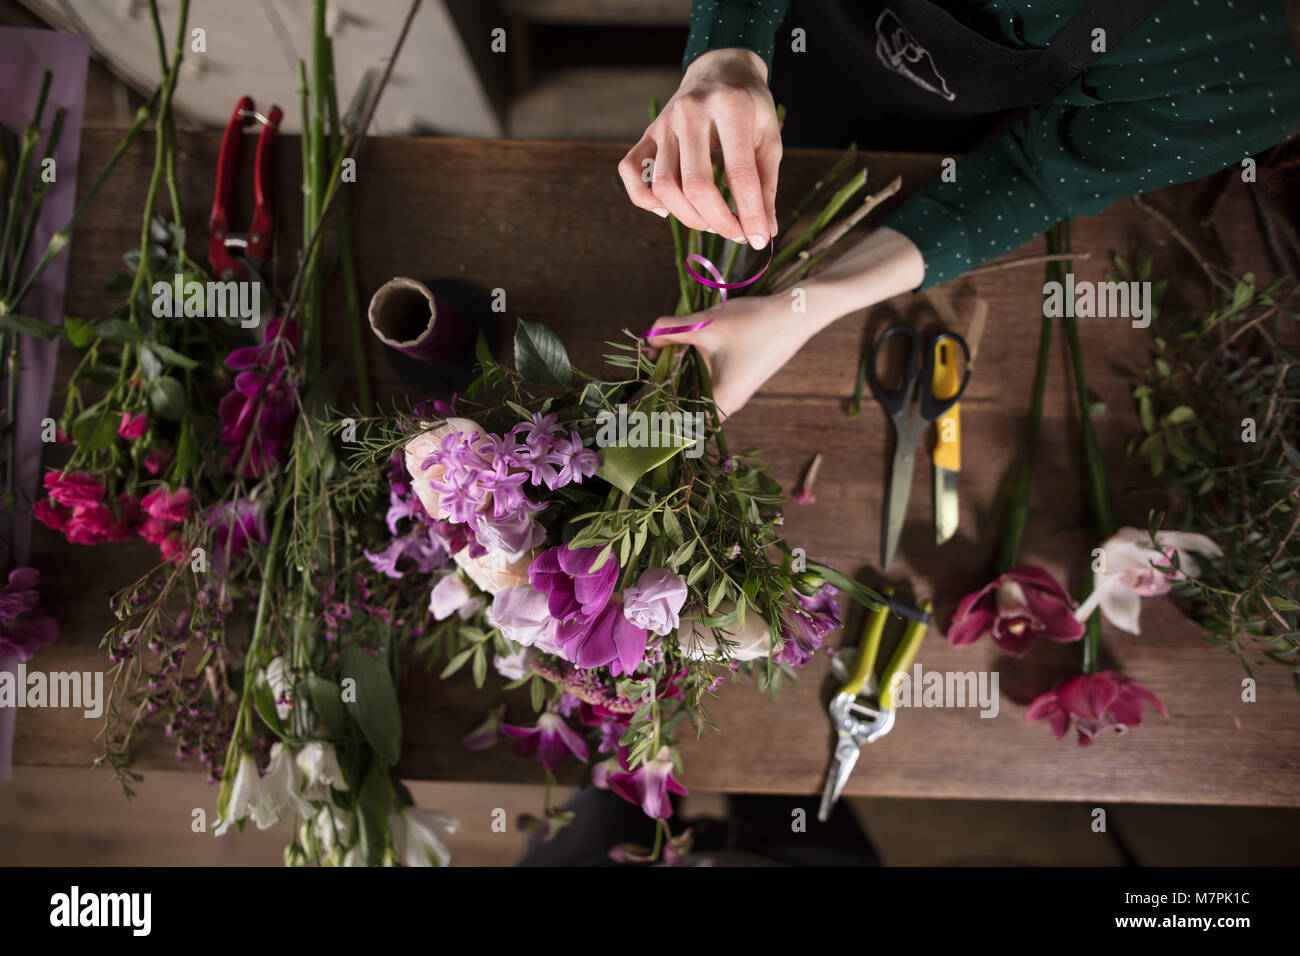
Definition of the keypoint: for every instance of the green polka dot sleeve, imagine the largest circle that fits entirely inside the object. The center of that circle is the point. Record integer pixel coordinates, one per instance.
(1170, 104)
(724, 24)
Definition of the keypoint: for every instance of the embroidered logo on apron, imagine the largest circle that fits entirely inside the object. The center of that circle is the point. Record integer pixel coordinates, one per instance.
(900, 53)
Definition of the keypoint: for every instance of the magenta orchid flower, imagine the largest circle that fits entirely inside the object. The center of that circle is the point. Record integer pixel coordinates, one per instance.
(552, 740)
(1017, 608)
(648, 785)
(1094, 704)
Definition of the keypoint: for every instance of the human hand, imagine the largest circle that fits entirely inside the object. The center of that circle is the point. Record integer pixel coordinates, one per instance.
(722, 103)
(743, 346)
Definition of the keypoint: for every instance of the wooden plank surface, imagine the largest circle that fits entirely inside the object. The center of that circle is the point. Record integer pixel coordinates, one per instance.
(548, 224)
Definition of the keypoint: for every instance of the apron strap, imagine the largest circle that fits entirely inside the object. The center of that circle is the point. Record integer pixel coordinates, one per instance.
(1071, 50)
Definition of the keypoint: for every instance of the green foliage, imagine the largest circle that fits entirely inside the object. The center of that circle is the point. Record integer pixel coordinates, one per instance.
(1217, 406)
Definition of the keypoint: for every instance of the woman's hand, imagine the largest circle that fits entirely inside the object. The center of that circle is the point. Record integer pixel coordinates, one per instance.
(722, 103)
(749, 340)
(744, 345)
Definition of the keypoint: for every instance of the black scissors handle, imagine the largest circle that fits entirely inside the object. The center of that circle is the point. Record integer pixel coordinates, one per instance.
(894, 400)
(918, 368)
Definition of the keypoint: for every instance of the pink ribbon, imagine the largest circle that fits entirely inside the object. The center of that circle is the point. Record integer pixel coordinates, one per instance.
(715, 283)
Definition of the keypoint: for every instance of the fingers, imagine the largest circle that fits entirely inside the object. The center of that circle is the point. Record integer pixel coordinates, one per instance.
(635, 170)
(698, 187)
(736, 136)
(768, 159)
(666, 186)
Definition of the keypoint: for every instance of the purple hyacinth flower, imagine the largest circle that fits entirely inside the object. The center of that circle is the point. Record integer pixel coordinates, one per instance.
(573, 590)
(552, 740)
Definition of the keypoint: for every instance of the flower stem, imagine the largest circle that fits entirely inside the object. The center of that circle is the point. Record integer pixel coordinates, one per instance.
(1101, 515)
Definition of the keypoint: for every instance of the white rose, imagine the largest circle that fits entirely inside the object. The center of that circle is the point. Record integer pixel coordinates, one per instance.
(752, 641)
(419, 448)
(495, 571)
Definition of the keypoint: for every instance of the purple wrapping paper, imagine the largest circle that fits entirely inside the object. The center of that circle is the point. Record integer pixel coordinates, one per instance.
(24, 56)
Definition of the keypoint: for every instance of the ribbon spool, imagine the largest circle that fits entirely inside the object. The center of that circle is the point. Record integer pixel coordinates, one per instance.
(407, 317)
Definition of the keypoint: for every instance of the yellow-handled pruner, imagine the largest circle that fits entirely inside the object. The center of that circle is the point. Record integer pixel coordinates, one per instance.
(856, 723)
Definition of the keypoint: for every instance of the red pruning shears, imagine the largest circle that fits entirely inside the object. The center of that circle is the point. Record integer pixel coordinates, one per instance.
(239, 255)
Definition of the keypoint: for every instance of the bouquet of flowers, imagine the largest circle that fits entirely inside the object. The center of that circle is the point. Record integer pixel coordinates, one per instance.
(608, 552)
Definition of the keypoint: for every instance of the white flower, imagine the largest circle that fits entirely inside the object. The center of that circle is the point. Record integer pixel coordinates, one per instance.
(516, 665)
(418, 450)
(319, 765)
(277, 676)
(418, 835)
(1130, 571)
(334, 828)
(448, 596)
(697, 641)
(495, 572)
(252, 796)
(523, 617)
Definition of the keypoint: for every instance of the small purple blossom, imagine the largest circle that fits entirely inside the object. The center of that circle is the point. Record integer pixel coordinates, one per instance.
(805, 628)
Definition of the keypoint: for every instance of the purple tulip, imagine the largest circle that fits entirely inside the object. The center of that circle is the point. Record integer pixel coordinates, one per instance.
(607, 638)
(573, 590)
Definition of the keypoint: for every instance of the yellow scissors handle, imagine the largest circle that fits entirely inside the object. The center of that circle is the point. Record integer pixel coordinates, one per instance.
(865, 661)
(946, 383)
(902, 658)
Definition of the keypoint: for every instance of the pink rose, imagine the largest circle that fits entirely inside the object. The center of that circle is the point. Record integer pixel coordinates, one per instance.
(132, 428)
(167, 505)
(79, 489)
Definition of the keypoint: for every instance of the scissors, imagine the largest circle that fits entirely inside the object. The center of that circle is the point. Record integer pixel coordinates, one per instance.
(912, 407)
(857, 723)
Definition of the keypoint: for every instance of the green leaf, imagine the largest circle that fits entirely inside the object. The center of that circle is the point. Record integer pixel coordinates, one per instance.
(480, 666)
(855, 590)
(537, 692)
(119, 330)
(374, 802)
(1183, 413)
(150, 364)
(601, 558)
(28, 325)
(540, 356)
(375, 709)
(622, 465)
(172, 357)
(80, 333)
(95, 428)
(716, 593)
(187, 455)
(327, 703)
(264, 703)
(167, 397)
(672, 527)
(1146, 412)
(697, 572)
(456, 663)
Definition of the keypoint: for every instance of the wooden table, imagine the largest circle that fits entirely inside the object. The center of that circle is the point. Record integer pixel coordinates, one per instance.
(548, 223)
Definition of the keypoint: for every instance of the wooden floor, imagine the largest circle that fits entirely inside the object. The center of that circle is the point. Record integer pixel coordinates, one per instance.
(69, 816)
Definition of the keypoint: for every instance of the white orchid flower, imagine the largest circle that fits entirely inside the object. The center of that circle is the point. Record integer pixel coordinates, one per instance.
(1130, 569)
(278, 677)
(318, 763)
(253, 796)
(418, 834)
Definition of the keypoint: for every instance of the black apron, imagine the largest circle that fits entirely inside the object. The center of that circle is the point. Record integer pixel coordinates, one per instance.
(907, 74)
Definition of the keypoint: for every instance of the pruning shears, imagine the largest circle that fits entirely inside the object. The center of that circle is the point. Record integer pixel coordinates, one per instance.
(855, 722)
(239, 255)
